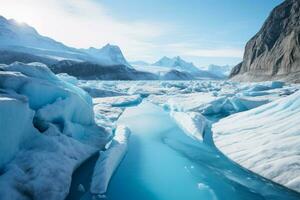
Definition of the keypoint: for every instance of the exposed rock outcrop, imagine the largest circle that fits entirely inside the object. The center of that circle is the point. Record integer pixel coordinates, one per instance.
(274, 52)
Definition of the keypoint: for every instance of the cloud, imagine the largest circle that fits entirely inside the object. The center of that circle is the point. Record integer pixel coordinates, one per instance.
(81, 23)
(192, 48)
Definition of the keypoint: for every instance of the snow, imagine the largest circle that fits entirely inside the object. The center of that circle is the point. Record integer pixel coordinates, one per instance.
(109, 160)
(209, 104)
(44, 169)
(47, 130)
(24, 38)
(266, 86)
(216, 100)
(70, 79)
(176, 63)
(160, 154)
(119, 101)
(109, 109)
(193, 124)
(190, 102)
(108, 55)
(265, 140)
(61, 125)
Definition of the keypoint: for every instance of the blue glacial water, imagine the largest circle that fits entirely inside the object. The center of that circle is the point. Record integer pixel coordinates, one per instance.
(162, 163)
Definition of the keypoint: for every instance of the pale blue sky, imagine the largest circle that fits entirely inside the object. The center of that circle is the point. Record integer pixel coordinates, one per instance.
(202, 31)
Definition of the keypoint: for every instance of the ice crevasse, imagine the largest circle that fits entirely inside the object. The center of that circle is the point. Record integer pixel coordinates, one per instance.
(47, 129)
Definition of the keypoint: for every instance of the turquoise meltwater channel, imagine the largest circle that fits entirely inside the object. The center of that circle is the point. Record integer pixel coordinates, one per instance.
(162, 163)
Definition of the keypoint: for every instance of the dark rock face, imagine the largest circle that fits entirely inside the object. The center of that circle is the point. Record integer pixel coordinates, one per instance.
(93, 71)
(274, 52)
(177, 75)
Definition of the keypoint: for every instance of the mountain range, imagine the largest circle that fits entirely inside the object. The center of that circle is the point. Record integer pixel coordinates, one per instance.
(177, 68)
(21, 42)
(176, 63)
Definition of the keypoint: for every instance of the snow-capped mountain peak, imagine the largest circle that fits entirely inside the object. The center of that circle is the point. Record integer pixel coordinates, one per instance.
(21, 37)
(111, 54)
(13, 33)
(176, 63)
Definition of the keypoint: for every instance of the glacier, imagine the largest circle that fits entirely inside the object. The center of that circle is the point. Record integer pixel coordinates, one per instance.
(55, 124)
(44, 135)
(163, 162)
(194, 105)
(265, 140)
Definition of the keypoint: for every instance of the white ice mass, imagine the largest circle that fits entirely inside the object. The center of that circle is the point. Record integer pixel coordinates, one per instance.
(192, 123)
(109, 160)
(47, 130)
(265, 140)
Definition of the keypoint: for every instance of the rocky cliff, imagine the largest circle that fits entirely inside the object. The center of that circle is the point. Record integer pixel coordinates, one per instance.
(274, 52)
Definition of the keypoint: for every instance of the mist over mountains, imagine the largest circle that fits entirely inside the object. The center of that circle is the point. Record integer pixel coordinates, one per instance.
(21, 42)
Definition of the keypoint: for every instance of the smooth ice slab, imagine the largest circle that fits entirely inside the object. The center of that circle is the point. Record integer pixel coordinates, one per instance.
(109, 160)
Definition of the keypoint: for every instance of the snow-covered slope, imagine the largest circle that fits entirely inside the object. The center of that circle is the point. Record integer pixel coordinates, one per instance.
(176, 63)
(20, 34)
(20, 37)
(265, 140)
(47, 129)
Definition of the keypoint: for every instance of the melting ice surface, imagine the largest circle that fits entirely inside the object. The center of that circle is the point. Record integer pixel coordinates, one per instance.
(163, 163)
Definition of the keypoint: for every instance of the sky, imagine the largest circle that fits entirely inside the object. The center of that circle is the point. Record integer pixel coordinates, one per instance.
(202, 31)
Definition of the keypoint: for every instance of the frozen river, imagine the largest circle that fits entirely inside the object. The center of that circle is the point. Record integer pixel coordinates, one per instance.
(162, 163)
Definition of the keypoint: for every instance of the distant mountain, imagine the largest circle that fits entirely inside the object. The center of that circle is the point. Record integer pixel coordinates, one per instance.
(109, 54)
(221, 71)
(177, 75)
(21, 42)
(274, 52)
(8, 57)
(176, 69)
(139, 63)
(176, 63)
(91, 71)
